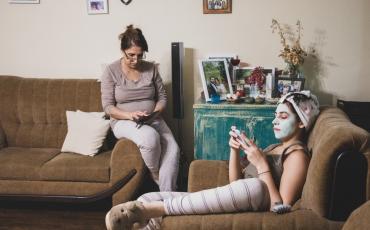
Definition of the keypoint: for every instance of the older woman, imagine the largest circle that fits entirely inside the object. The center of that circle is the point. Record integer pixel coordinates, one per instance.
(132, 90)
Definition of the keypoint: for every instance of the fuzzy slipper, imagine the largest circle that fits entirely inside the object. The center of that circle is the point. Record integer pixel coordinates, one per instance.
(125, 216)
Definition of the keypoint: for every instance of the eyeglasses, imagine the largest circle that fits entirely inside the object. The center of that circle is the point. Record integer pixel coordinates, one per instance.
(134, 57)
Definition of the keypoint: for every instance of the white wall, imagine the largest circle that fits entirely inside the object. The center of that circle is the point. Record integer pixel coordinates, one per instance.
(58, 39)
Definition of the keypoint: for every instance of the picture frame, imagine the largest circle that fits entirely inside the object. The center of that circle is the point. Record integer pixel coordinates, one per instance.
(217, 6)
(241, 73)
(228, 58)
(25, 1)
(284, 85)
(215, 78)
(97, 6)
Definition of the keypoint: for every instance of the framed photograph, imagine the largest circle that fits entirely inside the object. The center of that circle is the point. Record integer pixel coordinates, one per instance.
(285, 85)
(25, 1)
(228, 60)
(97, 6)
(243, 73)
(215, 78)
(216, 6)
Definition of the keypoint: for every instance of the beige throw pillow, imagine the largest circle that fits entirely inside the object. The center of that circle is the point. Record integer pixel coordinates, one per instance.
(86, 132)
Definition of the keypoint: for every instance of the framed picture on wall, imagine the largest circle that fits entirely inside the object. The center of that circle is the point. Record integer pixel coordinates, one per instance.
(216, 6)
(284, 85)
(215, 78)
(97, 6)
(25, 1)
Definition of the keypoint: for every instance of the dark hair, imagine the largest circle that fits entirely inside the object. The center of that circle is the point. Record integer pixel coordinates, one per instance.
(133, 36)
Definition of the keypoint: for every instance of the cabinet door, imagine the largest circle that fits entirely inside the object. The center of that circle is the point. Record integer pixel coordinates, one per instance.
(212, 126)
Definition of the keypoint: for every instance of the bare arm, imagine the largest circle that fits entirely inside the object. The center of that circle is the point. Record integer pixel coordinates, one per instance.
(294, 176)
(257, 158)
(265, 176)
(235, 172)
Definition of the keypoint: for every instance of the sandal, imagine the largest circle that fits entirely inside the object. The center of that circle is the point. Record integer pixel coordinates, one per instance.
(124, 216)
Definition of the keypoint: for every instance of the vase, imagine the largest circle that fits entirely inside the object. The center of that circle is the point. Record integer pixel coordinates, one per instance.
(293, 71)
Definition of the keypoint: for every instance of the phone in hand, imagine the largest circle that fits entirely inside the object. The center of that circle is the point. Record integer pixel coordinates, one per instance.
(242, 140)
(146, 119)
(151, 116)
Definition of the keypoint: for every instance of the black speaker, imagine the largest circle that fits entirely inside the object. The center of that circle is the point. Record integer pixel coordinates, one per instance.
(177, 55)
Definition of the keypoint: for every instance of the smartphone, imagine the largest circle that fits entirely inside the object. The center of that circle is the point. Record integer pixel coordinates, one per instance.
(239, 138)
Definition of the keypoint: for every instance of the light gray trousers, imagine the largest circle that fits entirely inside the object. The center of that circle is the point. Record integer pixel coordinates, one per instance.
(158, 148)
(239, 196)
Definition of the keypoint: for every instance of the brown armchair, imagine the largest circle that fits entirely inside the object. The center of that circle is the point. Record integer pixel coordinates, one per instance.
(335, 185)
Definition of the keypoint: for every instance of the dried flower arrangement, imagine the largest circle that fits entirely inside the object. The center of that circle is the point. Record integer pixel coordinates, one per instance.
(292, 55)
(256, 77)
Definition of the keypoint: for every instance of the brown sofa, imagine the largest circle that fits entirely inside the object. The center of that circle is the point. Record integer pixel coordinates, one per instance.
(32, 130)
(337, 183)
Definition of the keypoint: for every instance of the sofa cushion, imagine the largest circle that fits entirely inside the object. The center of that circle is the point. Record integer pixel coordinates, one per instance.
(77, 168)
(359, 218)
(24, 163)
(33, 110)
(86, 132)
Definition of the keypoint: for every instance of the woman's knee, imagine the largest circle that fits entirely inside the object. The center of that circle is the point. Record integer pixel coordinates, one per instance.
(260, 193)
(259, 197)
(149, 139)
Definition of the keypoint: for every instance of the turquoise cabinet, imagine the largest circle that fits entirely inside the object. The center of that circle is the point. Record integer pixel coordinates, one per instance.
(212, 123)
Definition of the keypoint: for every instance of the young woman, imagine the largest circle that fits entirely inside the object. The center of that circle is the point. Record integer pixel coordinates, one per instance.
(131, 90)
(270, 179)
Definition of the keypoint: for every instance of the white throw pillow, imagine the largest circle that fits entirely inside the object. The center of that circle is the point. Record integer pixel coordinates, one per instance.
(86, 132)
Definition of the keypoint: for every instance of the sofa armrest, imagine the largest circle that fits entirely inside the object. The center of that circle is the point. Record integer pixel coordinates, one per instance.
(349, 185)
(331, 135)
(359, 219)
(126, 157)
(205, 174)
(2, 138)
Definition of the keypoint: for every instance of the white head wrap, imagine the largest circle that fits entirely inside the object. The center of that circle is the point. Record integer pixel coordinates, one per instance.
(307, 110)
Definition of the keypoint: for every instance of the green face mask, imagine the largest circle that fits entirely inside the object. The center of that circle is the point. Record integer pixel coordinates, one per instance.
(285, 122)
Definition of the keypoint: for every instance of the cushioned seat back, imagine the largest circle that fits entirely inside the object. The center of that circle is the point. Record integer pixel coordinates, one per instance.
(332, 133)
(32, 111)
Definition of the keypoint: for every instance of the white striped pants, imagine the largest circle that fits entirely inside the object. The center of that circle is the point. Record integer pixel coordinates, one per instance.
(242, 195)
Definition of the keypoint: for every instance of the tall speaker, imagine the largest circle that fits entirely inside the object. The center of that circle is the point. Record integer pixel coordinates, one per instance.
(177, 55)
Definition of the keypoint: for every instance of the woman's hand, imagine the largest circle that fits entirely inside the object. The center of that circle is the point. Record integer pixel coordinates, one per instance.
(254, 154)
(136, 115)
(233, 143)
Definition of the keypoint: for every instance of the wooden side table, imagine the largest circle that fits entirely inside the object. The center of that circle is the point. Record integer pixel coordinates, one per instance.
(212, 124)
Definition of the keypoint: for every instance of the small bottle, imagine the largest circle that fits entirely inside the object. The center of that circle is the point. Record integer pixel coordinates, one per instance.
(256, 90)
(269, 85)
(252, 90)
